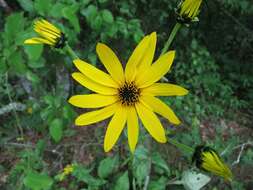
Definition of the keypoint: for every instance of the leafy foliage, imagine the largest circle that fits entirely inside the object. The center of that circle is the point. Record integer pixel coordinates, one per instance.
(214, 61)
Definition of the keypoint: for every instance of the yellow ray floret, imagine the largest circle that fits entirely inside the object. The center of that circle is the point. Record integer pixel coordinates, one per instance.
(127, 94)
(208, 160)
(49, 34)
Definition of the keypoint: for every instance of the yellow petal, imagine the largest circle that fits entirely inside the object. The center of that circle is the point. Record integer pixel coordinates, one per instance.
(135, 58)
(92, 100)
(149, 54)
(115, 128)
(132, 128)
(151, 123)
(95, 116)
(111, 62)
(161, 108)
(155, 71)
(95, 74)
(37, 40)
(40, 24)
(94, 86)
(164, 89)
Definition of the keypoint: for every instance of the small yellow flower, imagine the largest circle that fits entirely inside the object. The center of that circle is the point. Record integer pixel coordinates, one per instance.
(189, 10)
(30, 110)
(208, 160)
(49, 34)
(68, 169)
(127, 94)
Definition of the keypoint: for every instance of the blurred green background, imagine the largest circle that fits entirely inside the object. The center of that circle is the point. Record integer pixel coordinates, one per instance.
(37, 135)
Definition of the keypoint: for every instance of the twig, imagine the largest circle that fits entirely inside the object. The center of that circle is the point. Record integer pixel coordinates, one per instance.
(146, 182)
(242, 146)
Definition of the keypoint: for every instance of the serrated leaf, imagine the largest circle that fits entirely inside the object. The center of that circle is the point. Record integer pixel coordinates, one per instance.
(107, 166)
(55, 129)
(37, 181)
(122, 182)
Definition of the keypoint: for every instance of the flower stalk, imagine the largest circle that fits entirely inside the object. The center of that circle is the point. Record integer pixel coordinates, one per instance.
(171, 38)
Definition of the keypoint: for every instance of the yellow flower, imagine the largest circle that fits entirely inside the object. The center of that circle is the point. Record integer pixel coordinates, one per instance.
(127, 94)
(189, 9)
(207, 159)
(68, 169)
(49, 34)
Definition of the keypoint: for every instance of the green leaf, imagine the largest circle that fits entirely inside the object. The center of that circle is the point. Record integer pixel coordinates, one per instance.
(97, 22)
(17, 63)
(32, 77)
(107, 166)
(34, 51)
(27, 5)
(55, 129)
(90, 13)
(159, 184)
(15, 22)
(43, 7)
(83, 174)
(69, 13)
(37, 181)
(3, 66)
(160, 162)
(122, 182)
(107, 16)
(56, 10)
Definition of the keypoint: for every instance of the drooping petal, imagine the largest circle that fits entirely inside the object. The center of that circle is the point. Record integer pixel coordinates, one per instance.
(92, 100)
(164, 89)
(132, 128)
(155, 71)
(95, 74)
(151, 123)
(115, 128)
(95, 116)
(161, 108)
(94, 86)
(111, 62)
(135, 58)
(147, 59)
(37, 40)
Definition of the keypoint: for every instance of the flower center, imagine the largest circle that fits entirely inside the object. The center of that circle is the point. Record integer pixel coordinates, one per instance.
(129, 94)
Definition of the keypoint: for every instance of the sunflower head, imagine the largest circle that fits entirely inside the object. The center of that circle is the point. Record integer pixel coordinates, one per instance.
(208, 160)
(127, 94)
(188, 11)
(49, 34)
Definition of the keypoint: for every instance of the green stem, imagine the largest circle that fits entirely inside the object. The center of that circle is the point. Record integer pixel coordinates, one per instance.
(171, 38)
(184, 148)
(71, 51)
